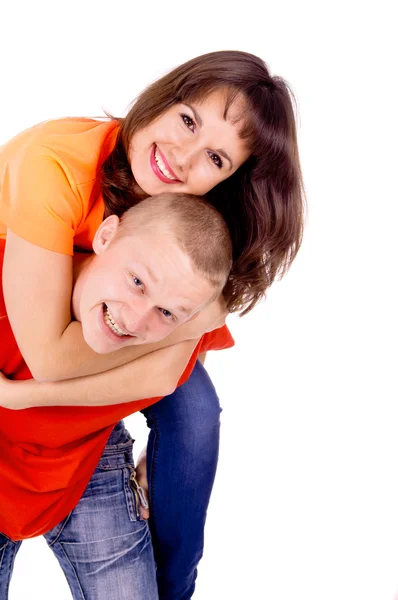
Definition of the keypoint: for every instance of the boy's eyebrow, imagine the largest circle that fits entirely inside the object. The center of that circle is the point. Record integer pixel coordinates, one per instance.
(152, 275)
(200, 123)
(146, 271)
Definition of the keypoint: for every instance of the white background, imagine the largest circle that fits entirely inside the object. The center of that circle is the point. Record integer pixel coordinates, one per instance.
(306, 500)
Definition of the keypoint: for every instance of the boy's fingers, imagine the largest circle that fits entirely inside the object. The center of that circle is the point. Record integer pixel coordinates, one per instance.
(143, 499)
(143, 483)
(145, 513)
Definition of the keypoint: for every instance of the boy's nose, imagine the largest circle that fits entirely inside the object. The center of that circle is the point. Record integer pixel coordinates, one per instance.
(137, 323)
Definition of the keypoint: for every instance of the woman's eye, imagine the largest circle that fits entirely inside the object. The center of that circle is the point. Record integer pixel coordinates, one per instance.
(216, 159)
(137, 281)
(166, 313)
(189, 122)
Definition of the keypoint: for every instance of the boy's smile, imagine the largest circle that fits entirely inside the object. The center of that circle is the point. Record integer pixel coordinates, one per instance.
(136, 288)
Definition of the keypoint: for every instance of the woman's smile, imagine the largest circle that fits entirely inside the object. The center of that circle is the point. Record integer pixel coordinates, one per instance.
(188, 150)
(161, 167)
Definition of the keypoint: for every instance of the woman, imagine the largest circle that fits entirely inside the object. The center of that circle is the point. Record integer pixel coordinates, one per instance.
(221, 125)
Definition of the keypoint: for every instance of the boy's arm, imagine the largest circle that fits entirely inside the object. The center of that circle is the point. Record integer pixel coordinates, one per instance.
(156, 374)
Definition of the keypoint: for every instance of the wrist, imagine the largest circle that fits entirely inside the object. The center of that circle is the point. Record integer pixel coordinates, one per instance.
(35, 394)
(15, 395)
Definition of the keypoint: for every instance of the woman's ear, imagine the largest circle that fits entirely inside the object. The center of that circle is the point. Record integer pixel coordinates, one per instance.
(106, 233)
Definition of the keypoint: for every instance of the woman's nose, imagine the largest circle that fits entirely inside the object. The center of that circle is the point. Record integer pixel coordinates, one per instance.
(183, 156)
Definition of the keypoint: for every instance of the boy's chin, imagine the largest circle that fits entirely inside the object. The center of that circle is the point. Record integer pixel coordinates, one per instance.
(105, 347)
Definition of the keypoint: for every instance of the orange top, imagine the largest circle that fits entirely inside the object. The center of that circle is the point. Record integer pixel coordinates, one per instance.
(50, 195)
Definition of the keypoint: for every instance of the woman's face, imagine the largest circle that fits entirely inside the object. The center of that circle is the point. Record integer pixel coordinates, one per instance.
(190, 148)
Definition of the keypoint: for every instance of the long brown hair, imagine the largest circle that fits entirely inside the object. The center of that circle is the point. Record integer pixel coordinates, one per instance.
(263, 201)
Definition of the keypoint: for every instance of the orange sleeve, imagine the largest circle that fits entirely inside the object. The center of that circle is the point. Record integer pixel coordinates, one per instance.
(40, 200)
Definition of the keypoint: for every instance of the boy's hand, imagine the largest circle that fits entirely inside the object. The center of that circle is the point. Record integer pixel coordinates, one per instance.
(140, 470)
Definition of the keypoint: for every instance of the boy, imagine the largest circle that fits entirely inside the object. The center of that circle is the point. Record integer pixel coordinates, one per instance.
(149, 278)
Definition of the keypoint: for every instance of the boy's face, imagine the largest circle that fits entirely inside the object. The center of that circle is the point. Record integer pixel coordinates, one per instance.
(136, 289)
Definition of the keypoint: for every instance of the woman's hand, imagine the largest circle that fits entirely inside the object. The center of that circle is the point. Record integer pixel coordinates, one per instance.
(155, 375)
(10, 393)
(211, 317)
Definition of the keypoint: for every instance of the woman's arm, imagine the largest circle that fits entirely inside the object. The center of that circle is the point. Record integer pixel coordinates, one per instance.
(156, 374)
(37, 286)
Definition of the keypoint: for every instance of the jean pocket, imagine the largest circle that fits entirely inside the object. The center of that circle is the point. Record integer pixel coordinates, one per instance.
(115, 475)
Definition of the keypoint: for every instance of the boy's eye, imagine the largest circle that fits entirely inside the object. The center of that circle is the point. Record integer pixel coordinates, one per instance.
(189, 122)
(166, 313)
(137, 281)
(216, 159)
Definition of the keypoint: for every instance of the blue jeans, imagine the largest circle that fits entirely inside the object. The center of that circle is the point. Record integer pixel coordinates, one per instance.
(182, 459)
(103, 546)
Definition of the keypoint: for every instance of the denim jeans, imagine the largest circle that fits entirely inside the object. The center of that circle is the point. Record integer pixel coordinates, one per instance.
(103, 545)
(182, 459)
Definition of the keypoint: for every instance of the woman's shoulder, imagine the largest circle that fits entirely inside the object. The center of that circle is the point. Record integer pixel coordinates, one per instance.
(48, 180)
(65, 126)
(72, 128)
(77, 143)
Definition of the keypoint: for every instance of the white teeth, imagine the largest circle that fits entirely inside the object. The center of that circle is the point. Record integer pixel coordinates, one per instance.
(109, 320)
(162, 167)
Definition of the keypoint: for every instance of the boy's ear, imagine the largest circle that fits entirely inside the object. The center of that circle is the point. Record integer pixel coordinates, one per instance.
(105, 233)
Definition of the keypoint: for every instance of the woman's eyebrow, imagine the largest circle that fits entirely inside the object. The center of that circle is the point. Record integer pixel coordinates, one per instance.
(200, 123)
(195, 114)
(225, 155)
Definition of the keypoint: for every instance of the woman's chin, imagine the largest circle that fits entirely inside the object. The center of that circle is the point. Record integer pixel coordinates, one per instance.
(141, 192)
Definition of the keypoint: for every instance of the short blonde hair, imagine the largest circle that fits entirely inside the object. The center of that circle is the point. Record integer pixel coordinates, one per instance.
(198, 228)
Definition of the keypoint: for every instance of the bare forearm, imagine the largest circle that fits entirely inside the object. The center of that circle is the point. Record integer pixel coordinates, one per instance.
(71, 357)
(156, 374)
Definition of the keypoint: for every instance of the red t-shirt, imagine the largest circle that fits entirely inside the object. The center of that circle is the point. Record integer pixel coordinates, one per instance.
(49, 195)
